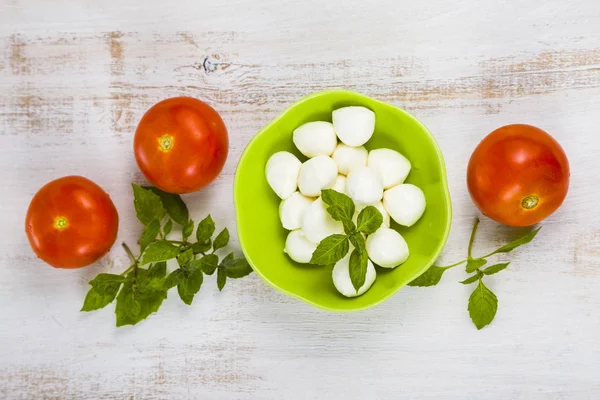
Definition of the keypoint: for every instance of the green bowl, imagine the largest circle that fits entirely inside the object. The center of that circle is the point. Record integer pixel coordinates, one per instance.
(262, 237)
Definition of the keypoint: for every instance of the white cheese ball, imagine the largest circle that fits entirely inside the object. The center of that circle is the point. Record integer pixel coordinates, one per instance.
(317, 224)
(291, 210)
(340, 184)
(405, 203)
(298, 247)
(379, 206)
(341, 277)
(316, 174)
(364, 186)
(282, 173)
(315, 139)
(354, 125)
(349, 158)
(392, 166)
(387, 248)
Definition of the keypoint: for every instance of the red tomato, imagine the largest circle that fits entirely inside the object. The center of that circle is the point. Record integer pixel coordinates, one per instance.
(181, 145)
(518, 175)
(71, 222)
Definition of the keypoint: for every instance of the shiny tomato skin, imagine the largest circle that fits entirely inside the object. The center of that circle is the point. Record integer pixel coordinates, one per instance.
(518, 175)
(71, 222)
(181, 145)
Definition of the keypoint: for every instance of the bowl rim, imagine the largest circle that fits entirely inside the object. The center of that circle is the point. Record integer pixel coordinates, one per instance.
(444, 182)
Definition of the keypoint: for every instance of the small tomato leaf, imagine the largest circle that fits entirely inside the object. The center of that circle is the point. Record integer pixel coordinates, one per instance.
(516, 243)
(431, 277)
(148, 205)
(149, 234)
(174, 205)
(159, 251)
(474, 264)
(483, 305)
(331, 249)
(206, 228)
(493, 269)
(221, 278)
(221, 240)
(369, 220)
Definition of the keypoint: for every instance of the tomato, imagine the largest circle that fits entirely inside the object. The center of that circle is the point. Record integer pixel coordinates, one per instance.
(181, 145)
(71, 222)
(518, 175)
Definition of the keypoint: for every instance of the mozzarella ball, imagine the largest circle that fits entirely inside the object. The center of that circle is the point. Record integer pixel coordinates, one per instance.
(405, 203)
(340, 184)
(316, 174)
(291, 210)
(364, 186)
(341, 277)
(392, 166)
(379, 206)
(282, 173)
(354, 125)
(298, 247)
(387, 248)
(317, 224)
(315, 139)
(349, 158)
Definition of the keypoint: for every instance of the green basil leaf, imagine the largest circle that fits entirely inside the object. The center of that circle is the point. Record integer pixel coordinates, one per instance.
(159, 251)
(174, 205)
(474, 264)
(431, 277)
(157, 270)
(238, 268)
(173, 279)
(149, 234)
(357, 239)
(184, 258)
(331, 249)
(206, 228)
(168, 227)
(483, 305)
(516, 243)
(494, 269)
(358, 267)
(190, 285)
(369, 220)
(103, 279)
(208, 263)
(95, 299)
(221, 240)
(472, 279)
(148, 205)
(199, 247)
(221, 278)
(341, 207)
(148, 300)
(187, 230)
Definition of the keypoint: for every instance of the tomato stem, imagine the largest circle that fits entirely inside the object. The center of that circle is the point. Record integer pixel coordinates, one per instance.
(472, 239)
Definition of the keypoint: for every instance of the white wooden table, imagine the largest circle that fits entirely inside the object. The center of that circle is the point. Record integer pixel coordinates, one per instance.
(75, 78)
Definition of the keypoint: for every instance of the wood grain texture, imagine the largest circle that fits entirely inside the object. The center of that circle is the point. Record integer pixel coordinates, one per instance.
(75, 77)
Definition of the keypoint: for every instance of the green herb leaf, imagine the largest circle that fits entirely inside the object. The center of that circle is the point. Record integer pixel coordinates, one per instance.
(149, 234)
(483, 305)
(472, 279)
(157, 270)
(159, 251)
(184, 258)
(168, 227)
(189, 285)
(206, 228)
(187, 230)
(357, 239)
(221, 278)
(331, 249)
(431, 277)
(516, 243)
(104, 290)
(493, 269)
(173, 279)
(208, 263)
(341, 207)
(199, 248)
(133, 307)
(174, 206)
(369, 220)
(475, 263)
(221, 240)
(148, 205)
(358, 267)
(235, 268)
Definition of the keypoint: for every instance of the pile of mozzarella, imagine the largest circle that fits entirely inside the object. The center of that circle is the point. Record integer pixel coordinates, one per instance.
(368, 178)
